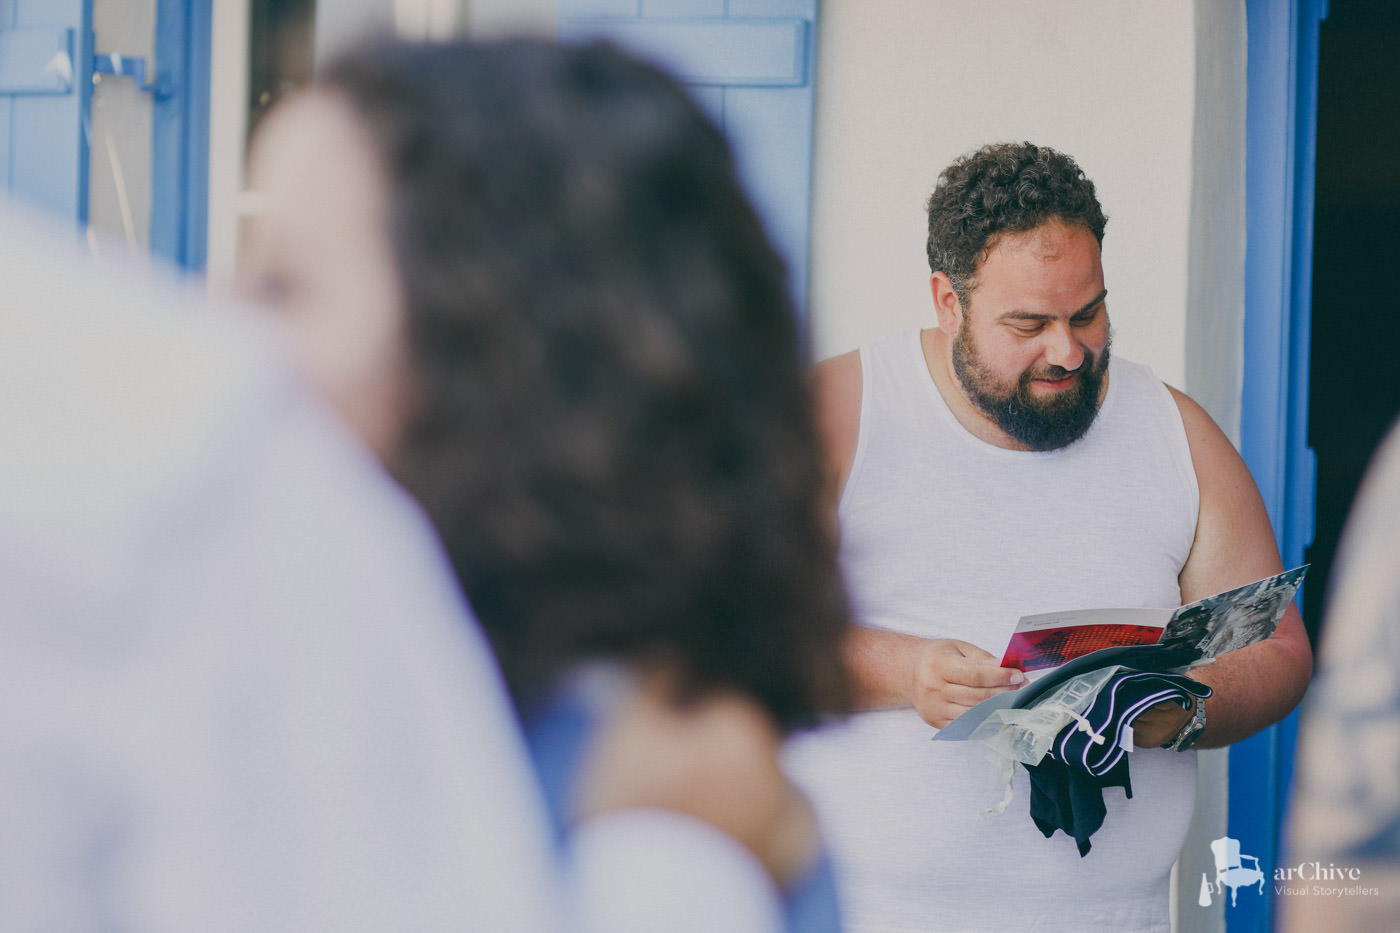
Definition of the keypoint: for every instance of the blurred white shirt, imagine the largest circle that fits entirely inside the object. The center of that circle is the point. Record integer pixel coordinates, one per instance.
(238, 690)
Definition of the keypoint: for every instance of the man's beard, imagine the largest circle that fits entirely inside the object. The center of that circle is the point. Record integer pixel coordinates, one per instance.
(1038, 423)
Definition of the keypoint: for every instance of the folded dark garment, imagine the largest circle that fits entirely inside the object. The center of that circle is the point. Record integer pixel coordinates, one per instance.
(1067, 786)
(1072, 801)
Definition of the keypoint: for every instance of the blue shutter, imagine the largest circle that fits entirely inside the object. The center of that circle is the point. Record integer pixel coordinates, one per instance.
(44, 45)
(180, 132)
(750, 64)
(46, 67)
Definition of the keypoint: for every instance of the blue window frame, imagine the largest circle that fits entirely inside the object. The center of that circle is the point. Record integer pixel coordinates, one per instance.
(44, 91)
(47, 61)
(750, 63)
(180, 133)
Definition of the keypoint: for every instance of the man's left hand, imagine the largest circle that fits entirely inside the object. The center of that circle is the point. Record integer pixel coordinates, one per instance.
(1160, 724)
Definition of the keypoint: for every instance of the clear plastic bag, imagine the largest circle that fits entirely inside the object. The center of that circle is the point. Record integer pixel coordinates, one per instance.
(1025, 735)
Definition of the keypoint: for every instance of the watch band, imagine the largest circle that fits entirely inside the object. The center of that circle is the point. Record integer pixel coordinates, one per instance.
(1191, 732)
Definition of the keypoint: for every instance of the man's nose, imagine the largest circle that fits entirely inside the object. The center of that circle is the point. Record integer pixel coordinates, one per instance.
(1061, 348)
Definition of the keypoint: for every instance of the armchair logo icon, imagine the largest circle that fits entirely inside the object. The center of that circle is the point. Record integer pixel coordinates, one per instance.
(1230, 871)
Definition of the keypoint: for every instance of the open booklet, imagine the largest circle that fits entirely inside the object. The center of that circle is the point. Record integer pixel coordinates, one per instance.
(1062, 644)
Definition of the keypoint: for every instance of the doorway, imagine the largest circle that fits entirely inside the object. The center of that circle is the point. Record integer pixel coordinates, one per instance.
(1354, 387)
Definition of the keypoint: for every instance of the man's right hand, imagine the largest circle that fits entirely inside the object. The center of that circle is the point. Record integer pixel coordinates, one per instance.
(942, 678)
(948, 677)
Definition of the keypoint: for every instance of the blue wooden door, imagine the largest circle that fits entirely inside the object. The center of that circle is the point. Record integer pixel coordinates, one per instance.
(750, 63)
(180, 132)
(1281, 131)
(43, 101)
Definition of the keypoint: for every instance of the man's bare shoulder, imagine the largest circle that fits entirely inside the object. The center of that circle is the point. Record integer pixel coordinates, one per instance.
(836, 382)
(1211, 451)
(1191, 409)
(1234, 541)
(836, 392)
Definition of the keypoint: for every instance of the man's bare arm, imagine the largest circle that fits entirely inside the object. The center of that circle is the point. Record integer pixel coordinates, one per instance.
(1254, 686)
(836, 395)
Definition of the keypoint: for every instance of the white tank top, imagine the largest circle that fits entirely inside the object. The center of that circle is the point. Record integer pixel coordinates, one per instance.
(946, 536)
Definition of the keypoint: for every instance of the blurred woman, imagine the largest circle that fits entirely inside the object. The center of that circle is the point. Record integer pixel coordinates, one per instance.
(528, 276)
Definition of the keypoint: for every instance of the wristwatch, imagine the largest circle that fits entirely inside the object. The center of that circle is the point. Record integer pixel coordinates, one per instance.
(1190, 732)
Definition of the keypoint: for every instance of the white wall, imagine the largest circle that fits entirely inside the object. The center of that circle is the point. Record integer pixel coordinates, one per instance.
(228, 110)
(1214, 347)
(500, 17)
(905, 86)
(1215, 316)
(341, 23)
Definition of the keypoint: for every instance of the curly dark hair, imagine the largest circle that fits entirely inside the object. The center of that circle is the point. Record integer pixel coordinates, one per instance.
(1003, 188)
(614, 441)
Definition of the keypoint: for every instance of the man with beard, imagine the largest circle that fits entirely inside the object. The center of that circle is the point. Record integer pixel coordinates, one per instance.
(1001, 465)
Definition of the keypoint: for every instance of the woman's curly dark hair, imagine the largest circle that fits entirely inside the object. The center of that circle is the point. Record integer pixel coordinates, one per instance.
(1003, 188)
(614, 438)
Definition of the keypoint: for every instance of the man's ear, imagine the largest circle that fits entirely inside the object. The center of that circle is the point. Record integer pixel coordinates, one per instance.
(946, 303)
